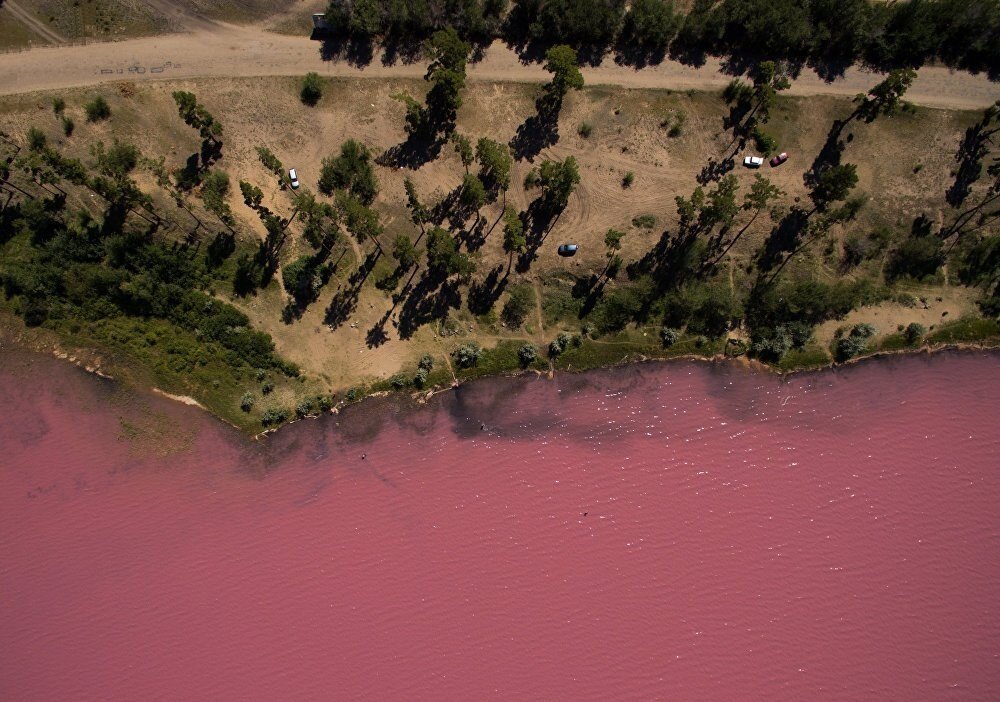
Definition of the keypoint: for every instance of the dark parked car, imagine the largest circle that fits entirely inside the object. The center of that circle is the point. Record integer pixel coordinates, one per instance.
(779, 159)
(567, 249)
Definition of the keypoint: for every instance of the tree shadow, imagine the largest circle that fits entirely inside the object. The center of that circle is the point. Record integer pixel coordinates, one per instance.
(538, 221)
(484, 294)
(417, 150)
(971, 151)
(430, 299)
(338, 46)
(783, 238)
(538, 131)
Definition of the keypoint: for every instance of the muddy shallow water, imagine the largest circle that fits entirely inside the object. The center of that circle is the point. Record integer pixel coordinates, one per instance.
(672, 531)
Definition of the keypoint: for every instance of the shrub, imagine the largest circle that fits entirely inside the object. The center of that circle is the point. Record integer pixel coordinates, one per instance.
(628, 180)
(560, 344)
(764, 142)
(312, 89)
(305, 408)
(273, 416)
(467, 355)
(527, 354)
(914, 332)
(97, 109)
(267, 388)
(36, 139)
(585, 130)
(68, 126)
(669, 336)
(420, 379)
(646, 221)
(426, 362)
(855, 343)
(398, 381)
(246, 402)
(58, 105)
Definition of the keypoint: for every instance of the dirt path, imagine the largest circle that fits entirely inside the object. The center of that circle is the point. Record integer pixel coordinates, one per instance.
(227, 50)
(33, 23)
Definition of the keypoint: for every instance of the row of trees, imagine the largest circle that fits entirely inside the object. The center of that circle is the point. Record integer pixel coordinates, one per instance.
(827, 34)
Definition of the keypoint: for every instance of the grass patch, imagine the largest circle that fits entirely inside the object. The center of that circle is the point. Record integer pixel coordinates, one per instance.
(498, 360)
(804, 359)
(967, 329)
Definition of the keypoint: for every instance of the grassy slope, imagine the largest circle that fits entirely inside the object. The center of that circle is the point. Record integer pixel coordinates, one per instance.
(626, 136)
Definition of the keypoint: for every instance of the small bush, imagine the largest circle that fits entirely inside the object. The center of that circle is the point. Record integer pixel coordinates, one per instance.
(585, 130)
(426, 362)
(58, 105)
(312, 89)
(68, 126)
(914, 332)
(97, 109)
(646, 221)
(420, 379)
(628, 180)
(246, 402)
(267, 388)
(764, 142)
(36, 139)
(527, 354)
(467, 355)
(398, 381)
(855, 343)
(669, 336)
(561, 343)
(273, 416)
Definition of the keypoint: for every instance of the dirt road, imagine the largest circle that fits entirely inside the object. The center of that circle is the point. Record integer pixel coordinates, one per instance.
(227, 50)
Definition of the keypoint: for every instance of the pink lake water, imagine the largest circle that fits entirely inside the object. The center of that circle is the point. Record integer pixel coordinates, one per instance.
(678, 531)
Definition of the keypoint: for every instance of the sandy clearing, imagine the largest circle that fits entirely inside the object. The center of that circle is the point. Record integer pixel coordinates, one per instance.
(228, 50)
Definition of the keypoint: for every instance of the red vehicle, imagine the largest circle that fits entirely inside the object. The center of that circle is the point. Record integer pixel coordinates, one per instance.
(778, 160)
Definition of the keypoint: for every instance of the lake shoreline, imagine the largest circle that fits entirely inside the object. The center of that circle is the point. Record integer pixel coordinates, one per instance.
(91, 360)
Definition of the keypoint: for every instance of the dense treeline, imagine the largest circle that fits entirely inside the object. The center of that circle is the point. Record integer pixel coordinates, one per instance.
(826, 34)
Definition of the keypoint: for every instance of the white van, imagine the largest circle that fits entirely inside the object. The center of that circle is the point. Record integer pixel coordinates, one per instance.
(753, 161)
(294, 178)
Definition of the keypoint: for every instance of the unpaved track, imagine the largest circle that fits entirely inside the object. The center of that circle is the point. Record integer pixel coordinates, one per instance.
(227, 50)
(33, 23)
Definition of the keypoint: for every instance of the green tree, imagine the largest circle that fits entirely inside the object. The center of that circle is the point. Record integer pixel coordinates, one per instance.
(495, 163)
(404, 252)
(351, 171)
(312, 88)
(252, 195)
(446, 73)
(463, 147)
(834, 184)
(561, 62)
(558, 179)
(473, 192)
(420, 214)
(886, 97)
(649, 26)
(443, 257)
(514, 240)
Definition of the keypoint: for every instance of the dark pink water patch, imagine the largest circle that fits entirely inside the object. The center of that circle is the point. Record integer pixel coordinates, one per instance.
(675, 532)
